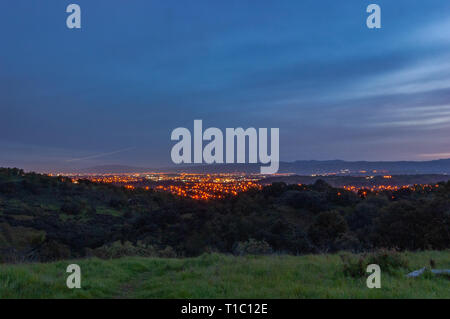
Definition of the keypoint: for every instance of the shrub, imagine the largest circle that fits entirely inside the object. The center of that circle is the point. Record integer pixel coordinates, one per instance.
(118, 249)
(71, 208)
(20, 238)
(354, 266)
(53, 250)
(348, 241)
(253, 247)
(10, 256)
(167, 252)
(388, 260)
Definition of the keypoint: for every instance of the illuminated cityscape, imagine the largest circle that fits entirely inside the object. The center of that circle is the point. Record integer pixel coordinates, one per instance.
(196, 186)
(217, 186)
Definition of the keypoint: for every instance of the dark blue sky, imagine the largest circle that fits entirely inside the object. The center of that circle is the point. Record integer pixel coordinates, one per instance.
(112, 92)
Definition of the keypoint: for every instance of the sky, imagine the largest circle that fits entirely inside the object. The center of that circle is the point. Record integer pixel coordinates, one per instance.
(113, 91)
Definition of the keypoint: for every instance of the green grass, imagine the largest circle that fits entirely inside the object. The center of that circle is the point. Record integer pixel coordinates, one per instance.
(220, 276)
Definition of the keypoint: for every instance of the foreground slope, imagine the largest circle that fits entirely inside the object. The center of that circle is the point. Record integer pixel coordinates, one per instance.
(221, 276)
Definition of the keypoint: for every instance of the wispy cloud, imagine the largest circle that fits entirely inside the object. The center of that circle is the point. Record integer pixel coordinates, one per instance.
(437, 32)
(100, 155)
(435, 155)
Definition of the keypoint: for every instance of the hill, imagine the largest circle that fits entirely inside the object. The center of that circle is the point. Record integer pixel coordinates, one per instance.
(298, 167)
(46, 218)
(114, 169)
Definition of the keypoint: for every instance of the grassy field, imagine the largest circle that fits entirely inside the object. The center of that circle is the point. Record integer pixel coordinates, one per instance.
(220, 276)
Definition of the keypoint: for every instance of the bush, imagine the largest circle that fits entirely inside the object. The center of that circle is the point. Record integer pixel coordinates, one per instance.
(253, 247)
(20, 238)
(118, 249)
(167, 252)
(53, 250)
(10, 256)
(388, 260)
(354, 266)
(349, 242)
(71, 208)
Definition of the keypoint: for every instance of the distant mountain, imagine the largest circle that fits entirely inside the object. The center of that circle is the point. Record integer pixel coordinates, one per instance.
(114, 169)
(367, 168)
(337, 167)
(312, 167)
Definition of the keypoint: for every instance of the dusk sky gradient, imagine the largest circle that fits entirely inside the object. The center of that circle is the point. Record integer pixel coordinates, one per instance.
(112, 92)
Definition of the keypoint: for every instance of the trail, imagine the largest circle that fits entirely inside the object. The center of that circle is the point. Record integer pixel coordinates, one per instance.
(126, 290)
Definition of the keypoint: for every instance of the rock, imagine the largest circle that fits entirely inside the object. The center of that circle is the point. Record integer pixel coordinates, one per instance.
(419, 272)
(416, 273)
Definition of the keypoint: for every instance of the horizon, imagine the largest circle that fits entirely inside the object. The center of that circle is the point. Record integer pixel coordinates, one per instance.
(178, 168)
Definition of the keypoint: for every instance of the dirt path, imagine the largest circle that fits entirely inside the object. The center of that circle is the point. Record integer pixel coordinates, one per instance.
(126, 290)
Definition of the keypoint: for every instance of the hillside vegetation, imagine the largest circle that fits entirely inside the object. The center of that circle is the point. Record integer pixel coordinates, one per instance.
(46, 218)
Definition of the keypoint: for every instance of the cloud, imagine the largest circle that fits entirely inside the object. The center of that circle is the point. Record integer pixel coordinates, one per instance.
(424, 75)
(99, 155)
(434, 33)
(435, 155)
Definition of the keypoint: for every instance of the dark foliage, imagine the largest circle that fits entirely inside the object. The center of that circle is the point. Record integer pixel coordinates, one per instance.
(47, 218)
